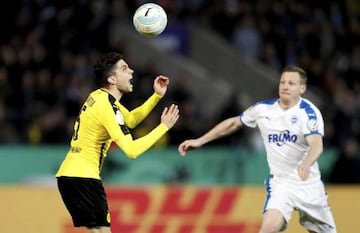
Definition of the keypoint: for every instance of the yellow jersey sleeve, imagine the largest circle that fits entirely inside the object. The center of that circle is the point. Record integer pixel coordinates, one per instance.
(136, 116)
(117, 128)
(134, 148)
(102, 120)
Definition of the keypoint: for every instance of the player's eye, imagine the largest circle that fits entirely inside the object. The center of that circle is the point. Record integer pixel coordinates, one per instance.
(124, 68)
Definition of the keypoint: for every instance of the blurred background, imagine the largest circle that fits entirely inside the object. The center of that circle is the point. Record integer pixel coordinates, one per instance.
(221, 56)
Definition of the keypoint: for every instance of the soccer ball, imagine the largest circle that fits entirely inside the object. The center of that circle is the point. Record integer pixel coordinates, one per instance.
(150, 19)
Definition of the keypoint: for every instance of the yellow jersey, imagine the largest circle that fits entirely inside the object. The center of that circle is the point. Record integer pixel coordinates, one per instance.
(101, 121)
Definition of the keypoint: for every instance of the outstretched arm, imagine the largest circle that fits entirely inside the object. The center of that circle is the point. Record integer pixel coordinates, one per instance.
(224, 128)
(137, 115)
(134, 148)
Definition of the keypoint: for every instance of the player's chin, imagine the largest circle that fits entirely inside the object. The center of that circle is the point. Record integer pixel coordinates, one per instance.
(128, 90)
(285, 97)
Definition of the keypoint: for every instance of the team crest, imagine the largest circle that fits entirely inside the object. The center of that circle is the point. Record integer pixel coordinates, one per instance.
(293, 119)
(312, 125)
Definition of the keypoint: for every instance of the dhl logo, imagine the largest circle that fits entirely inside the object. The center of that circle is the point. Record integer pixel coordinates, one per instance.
(179, 209)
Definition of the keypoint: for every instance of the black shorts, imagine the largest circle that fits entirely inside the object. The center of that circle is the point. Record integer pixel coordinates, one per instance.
(85, 199)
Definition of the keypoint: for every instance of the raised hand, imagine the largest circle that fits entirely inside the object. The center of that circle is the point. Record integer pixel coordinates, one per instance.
(160, 84)
(170, 115)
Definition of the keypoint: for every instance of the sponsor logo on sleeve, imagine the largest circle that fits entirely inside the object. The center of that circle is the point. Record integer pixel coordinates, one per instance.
(312, 125)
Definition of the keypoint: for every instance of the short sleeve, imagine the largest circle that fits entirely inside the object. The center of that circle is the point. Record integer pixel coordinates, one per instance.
(248, 117)
(313, 121)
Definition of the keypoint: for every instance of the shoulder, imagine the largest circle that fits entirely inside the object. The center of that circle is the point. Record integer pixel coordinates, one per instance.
(310, 111)
(261, 106)
(308, 107)
(101, 98)
(305, 103)
(265, 103)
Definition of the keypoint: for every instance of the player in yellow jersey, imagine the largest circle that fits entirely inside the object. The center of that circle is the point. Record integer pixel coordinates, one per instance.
(101, 121)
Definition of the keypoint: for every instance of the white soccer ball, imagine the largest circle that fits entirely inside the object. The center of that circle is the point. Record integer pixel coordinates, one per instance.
(150, 19)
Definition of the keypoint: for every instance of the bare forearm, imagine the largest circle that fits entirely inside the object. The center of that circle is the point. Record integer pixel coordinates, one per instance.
(315, 149)
(313, 154)
(222, 129)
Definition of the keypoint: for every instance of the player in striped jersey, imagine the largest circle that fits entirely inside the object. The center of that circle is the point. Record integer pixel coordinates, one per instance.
(101, 121)
(292, 129)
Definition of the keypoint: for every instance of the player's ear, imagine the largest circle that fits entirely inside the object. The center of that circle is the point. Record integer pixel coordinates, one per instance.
(302, 88)
(111, 79)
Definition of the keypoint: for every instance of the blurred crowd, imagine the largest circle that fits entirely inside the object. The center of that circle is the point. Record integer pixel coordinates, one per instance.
(323, 37)
(48, 48)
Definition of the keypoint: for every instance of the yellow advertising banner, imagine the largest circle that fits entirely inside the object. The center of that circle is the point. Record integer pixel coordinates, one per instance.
(164, 209)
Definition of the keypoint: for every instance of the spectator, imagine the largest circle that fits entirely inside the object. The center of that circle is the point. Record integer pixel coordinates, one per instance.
(347, 167)
(44, 52)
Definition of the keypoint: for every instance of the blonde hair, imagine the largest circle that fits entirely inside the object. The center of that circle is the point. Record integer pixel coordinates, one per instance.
(300, 71)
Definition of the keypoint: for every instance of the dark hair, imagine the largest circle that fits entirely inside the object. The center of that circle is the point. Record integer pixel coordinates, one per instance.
(104, 67)
(301, 72)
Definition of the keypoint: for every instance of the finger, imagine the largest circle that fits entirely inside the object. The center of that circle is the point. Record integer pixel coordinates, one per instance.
(183, 145)
(163, 79)
(299, 172)
(173, 107)
(171, 110)
(177, 116)
(303, 175)
(174, 111)
(306, 175)
(164, 111)
(181, 150)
